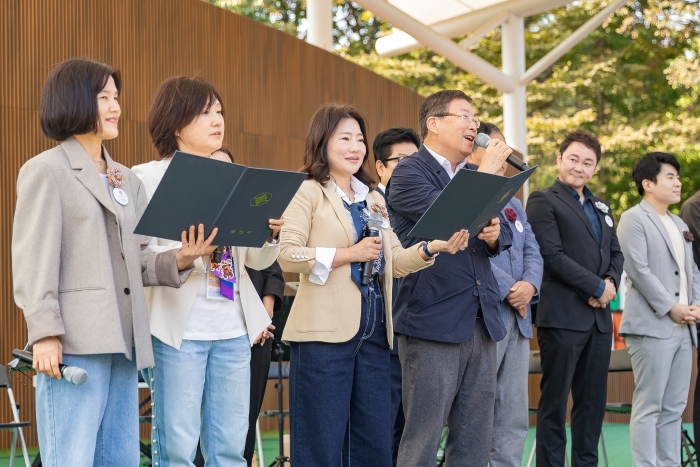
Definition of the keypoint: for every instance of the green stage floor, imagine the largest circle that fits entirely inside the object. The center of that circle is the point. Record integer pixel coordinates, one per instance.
(616, 441)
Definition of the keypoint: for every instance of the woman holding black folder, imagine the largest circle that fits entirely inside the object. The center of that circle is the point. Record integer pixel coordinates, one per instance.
(202, 333)
(78, 272)
(340, 330)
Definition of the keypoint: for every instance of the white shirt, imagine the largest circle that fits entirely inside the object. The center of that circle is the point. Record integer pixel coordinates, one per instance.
(381, 187)
(679, 249)
(324, 256)
(105, 180)
(211, 320)
(447, 165)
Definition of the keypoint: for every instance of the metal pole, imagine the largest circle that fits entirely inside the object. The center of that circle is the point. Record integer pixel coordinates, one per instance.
(319, 14)
(515, 102)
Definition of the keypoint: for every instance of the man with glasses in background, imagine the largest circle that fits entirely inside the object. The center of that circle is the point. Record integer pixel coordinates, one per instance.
(389, 148)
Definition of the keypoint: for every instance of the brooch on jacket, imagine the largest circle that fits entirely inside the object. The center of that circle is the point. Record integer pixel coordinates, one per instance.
(602, 207)
(688, 236)
(381, 210)
(115, 177)
(511, 215)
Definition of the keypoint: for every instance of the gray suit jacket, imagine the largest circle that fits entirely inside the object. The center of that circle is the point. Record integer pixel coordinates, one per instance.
(522, 262)
(78, 268)
(652, 270)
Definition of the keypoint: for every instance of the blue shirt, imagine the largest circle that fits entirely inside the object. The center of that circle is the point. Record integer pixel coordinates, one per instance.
(589, 209)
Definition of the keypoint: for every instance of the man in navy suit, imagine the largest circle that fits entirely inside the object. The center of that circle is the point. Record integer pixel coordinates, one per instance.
(582, 268)
(389, 148)
(447, 316)
(519, 275)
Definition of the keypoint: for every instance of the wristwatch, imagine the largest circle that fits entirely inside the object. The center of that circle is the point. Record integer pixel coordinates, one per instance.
(427, 252)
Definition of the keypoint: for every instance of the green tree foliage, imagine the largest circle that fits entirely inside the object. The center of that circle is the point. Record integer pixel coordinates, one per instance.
(634, 81)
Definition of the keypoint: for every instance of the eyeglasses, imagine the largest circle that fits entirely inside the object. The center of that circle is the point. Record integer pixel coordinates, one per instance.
(397, 158)
(464, 117)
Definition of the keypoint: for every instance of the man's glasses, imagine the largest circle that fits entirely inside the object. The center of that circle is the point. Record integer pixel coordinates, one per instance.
(465, 118)
(397, 158)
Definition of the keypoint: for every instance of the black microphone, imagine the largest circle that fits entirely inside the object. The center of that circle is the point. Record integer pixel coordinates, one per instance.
(374, 223)
(73, 374)
(482, 140)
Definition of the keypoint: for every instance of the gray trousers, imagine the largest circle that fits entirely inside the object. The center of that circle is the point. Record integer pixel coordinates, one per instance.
(453, 383)
(662, 377)
(511, 414)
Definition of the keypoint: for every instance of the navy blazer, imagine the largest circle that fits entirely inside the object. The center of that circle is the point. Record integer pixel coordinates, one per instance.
(440, 303)
(574, 262)
(523, 262)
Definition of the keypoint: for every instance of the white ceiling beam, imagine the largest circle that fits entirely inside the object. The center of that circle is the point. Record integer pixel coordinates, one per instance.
(480, 33)
(440, 44)
(401, 42)
(570, 42)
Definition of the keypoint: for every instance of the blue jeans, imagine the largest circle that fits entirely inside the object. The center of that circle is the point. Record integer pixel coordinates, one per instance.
(96, 424)
(340, 396)
(201, 390)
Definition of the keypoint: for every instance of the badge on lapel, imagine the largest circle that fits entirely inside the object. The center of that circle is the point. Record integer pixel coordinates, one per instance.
(512, 216)
(602, 207)
(385, 214)
(688, 236)
(116, 180)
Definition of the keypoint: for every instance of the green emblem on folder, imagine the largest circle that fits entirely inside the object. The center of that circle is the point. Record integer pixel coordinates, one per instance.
(260, 199)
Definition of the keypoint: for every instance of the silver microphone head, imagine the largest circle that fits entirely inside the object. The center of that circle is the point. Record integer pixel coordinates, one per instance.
(482, 140)
(75, 375)
(375, 221)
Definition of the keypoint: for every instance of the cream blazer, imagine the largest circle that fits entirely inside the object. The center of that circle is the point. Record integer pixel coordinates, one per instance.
(78, 269)
(316, 217)
(169, 308)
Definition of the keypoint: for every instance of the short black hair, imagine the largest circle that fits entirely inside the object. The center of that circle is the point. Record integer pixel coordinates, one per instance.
(69, 98)
(177, 103)
(436, 104)
(386, 139)
(649, 167)
(584, 137)
(488, 129)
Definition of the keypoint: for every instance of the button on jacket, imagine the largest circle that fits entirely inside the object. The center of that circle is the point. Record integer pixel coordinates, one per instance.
(78, 268)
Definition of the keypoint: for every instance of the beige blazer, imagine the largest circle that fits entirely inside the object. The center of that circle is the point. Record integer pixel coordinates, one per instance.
(78, 269)
(331, 312)
(170, 308)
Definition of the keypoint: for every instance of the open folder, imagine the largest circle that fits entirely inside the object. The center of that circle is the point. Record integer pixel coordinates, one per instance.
(238, 200)
(469, 201)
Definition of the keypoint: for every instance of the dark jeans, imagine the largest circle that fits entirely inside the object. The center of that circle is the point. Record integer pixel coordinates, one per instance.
(340, 399)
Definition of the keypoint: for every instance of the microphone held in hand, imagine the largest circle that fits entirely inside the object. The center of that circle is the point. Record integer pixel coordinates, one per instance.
(482, 140)
(374, 223)
(73, 374)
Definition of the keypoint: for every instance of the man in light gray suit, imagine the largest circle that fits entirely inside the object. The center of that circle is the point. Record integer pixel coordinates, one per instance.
(658, 321)
(518, 273)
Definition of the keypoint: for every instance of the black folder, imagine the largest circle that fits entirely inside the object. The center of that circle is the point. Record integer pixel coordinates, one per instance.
(469, 201)
(238, 200)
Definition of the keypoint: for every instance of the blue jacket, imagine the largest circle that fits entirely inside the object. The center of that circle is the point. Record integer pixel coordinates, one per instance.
(523, 262)
(440, 303)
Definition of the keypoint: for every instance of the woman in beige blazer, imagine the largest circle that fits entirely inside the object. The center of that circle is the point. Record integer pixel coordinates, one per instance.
(79, 270)
(202, 332)
(341, 330)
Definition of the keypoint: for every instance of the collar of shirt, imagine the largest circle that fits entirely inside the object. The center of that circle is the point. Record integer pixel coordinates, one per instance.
(361, 190)
(587, 195)
(381, 187)
(445, 163)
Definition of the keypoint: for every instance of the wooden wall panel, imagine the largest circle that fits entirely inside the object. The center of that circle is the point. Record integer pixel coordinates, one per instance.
(271, 84)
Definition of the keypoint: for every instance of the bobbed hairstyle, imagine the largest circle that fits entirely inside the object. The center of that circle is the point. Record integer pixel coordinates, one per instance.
(648, 167)
(323, 124)
(177, 103)
(68, 103)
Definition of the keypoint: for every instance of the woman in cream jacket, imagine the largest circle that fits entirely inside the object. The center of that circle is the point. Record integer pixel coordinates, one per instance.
(201, 337)
(340, 330)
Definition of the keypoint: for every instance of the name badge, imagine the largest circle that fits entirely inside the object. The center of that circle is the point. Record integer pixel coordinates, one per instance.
(519, 226)
(609, 221)
(120, 196)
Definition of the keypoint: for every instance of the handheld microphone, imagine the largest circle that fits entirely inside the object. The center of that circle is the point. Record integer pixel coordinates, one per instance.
(482, 140)
(374, 223)
(73, 374)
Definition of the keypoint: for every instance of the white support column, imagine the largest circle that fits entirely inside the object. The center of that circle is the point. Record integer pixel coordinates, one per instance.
(515, 103)
(319, 14)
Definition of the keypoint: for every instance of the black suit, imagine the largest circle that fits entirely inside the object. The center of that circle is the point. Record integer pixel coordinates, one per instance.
(575, 339)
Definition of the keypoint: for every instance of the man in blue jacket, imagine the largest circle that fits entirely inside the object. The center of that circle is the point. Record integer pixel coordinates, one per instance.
(447, 316)
(519, 275)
